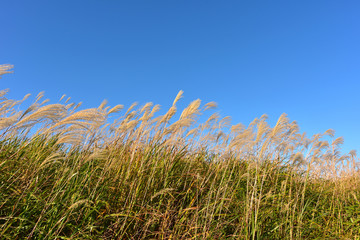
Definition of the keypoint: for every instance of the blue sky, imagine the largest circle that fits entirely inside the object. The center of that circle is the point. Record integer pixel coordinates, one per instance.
(251, 57)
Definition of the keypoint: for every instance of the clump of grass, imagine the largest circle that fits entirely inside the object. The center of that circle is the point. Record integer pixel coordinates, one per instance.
(70, 174)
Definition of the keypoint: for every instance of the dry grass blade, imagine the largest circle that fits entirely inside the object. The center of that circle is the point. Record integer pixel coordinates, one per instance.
(161, 192)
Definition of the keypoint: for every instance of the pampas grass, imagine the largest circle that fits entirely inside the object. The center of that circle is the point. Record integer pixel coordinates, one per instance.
(73, 174)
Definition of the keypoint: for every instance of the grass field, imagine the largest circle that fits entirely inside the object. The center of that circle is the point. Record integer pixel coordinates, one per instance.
(71, 174)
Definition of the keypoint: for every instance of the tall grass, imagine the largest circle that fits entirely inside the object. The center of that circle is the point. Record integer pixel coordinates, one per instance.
(71, 174)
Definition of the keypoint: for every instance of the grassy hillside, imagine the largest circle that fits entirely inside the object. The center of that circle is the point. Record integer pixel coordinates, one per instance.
(72, 174)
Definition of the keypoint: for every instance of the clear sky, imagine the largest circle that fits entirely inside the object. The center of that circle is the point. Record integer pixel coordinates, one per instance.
(251, 57)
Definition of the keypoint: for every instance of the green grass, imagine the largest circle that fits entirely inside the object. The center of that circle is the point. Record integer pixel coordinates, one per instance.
(165, 193)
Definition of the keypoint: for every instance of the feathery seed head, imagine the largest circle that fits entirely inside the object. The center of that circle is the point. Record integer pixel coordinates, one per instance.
(116, 109)
(178, 97)
(330, 132)
(103, 104)
(192, 110)
(210, 105)
(4, 68)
